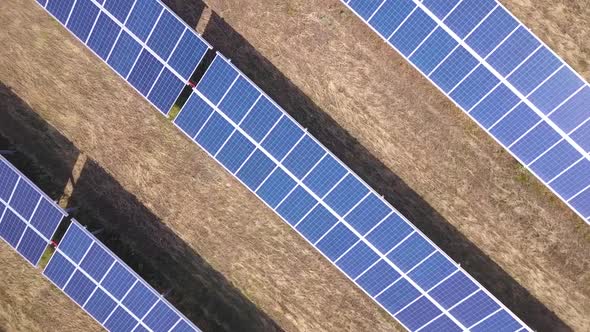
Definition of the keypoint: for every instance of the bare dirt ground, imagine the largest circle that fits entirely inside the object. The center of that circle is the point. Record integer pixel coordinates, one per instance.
(360, 99)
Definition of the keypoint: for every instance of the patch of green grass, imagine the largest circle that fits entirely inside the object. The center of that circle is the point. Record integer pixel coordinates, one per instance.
(522, 174)
(46, 256)
(174, 112)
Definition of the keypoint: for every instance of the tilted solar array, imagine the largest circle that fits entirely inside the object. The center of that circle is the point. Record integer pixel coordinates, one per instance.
(504, 77)
(28, 218)
(141, 40)
(328, 205)
(107, 289)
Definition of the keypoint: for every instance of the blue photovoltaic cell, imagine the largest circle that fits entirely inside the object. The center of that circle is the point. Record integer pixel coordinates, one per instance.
(214, 133)
(535, 142)
(367, 214)
(357, 260)
(239, 99)
(515, 124)
(324, 176)
(261, 119)
(453, 290)
(303, 157)
(59, 270)
(24, 199)
(161, 318)
(8, 180)
(119, 8)
(391, 15)
(440, 8)
(556, 90)
(189, 52)
(410, 252)
(75, 243)
(143, 17)
(468, 15)
(120, 320)
(534, 71)
(182, 326)
(256, 169)
(513, 51)
(282, 138)
(418, 313)
(193, 116)
(494, 106)
(365, 8)
(582, 136)
(218, 78)
(145, 72)
(389, 233)
(165, 35)
(235, 152)
(46, 218)
(474, 309)
(337, 241)
(118, 281)
(316, 223)
(433, 270)
(141, 328)
(97, 262)
(556, 160)
(42, 2)
(166, 91)
(82, 18)
(433, 51)
(104, 35)
(573, 180)
(60, 9)
(124, 54)
(79, 288)
(573, 112)
(453, 69)
(278, 185)
(414, 30)
(582, 203)
(443, 323)
(398, 296)
(32, 246)
(100, 305)
(140, 299)
(296, 205)
(474, 87)
(498, 322)
(346, 195)
(377, 278)
(492, 31)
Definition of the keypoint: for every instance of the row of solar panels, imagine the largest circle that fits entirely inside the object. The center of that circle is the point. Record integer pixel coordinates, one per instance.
(354, 228)
(516, 88)
(82, 267)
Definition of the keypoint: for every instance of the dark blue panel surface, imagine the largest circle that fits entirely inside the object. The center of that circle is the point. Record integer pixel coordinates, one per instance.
(165, 35)
(389, 233)
(494, 106)
(235, 152)
(32, 246)
(296, 205)
(119, 8)
(278, 185)
(118, 281)
(560, 157)
(75, 243)
(582, 136)
(256, 169)
(346, 195)
(239, 100)
(474, 309)
(124, 54)
(365, 8)
(143, 17)
(573, 180)
(418, 313)
(103, 37)
(443, 323)
(367, 214)
(398, 296)
(59, 270)
(500, 322)
(377, 278)
(100, 305)
(282, 138)
(336, 242)
(433, 51)
(324, 176)
(390, 16)
(534, 71)
(468, 15)
(453, 69)
(8, 180)
(218, 78)
(261, 119)
(316, 223)
(410, 252)
(535, 142)
(145, 72)
(513, 51)
(432, 271)
(574, 112)
(453, 290)
(474, 88)
(165, 91)
(42, 2)
(440, 8)
(214, 133)
(193, 116)
(82, 18)
(46, 218)
(24, 199)
(414, 30)
(97, 262)
(120, 321)
(582, 203)
(492, 31)
(357, 260)
(515, 124)
(60, 9)
(556, 90)
(188, 54)
(303, 157)
(79, 288)
(140, 299)
(183, 326)
(161, 318)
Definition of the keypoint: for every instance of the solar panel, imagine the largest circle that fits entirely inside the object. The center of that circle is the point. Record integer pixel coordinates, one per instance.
(107, 289)
(142, 41)
(332, 208)
(28, 218)
(504, 77)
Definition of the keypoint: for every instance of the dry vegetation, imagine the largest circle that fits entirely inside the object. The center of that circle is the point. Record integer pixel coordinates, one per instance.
(360, 98)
